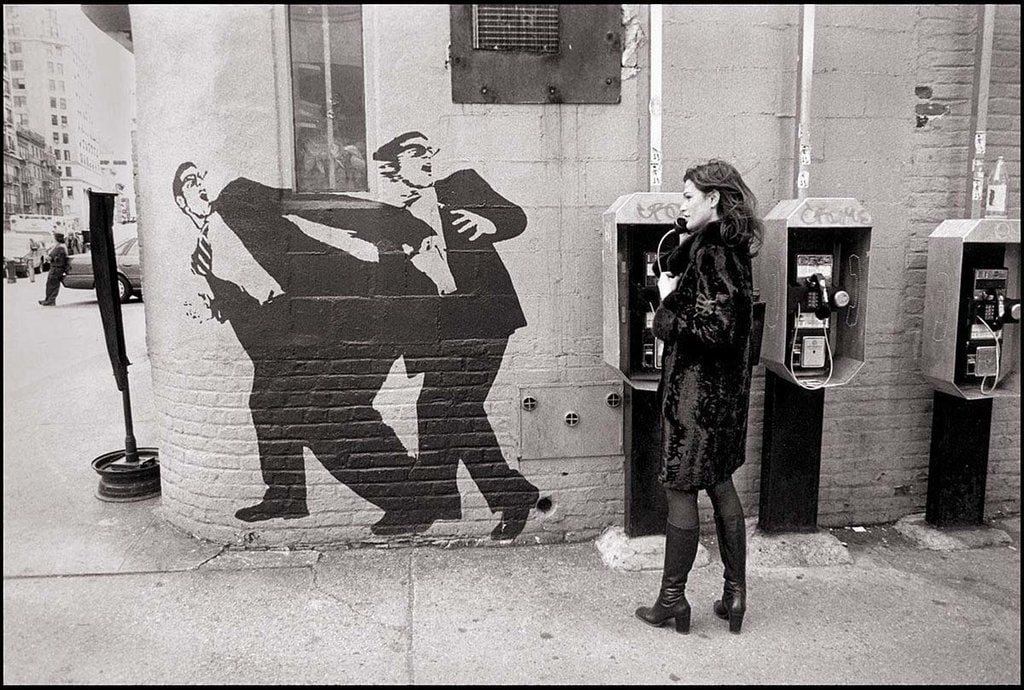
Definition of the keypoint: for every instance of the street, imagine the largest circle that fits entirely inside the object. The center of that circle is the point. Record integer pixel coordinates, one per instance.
(99, 592)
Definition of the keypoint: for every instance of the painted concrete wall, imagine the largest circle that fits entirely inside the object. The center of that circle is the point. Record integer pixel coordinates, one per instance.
(730, 91)
(219, 108)
(213, 89)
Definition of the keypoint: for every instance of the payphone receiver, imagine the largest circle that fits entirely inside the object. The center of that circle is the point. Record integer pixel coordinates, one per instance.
(988, 310)
(678, 229)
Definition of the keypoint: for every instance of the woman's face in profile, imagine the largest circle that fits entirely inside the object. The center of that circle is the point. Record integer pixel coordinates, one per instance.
(698, 209)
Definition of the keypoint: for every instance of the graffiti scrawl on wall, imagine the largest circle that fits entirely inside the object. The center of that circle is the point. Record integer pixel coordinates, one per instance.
(363, 284)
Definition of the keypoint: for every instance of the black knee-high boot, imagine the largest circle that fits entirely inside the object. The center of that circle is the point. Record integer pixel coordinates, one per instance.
(732, 545)
(680, 552)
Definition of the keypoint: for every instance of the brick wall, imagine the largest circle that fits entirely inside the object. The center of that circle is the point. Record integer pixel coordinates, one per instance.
(730, 92)
(890, 114)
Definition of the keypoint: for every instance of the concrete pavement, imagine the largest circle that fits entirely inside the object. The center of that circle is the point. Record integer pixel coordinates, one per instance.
(100, 592)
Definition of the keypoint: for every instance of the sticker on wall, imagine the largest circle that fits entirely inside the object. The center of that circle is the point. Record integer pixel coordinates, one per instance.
(411, 284)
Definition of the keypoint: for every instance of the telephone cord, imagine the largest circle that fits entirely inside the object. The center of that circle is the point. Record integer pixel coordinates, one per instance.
(792, 359)
(661, 267)
(995, 377)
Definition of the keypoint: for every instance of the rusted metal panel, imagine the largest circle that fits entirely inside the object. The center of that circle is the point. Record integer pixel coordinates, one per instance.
(586, 68)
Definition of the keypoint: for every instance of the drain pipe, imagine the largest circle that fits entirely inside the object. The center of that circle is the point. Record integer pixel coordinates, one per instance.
(805, 65)
(979, 114)
(654, 182)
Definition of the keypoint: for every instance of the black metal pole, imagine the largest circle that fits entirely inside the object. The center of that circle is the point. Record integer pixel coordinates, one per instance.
(958, 464)
(131, 451)
(790, 456)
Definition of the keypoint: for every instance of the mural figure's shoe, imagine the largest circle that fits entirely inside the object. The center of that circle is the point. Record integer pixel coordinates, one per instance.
(401, 522)
(268, 509)
(47, 304)
(513, 519)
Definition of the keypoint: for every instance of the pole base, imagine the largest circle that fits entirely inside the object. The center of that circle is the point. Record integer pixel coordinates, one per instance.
(122, 481)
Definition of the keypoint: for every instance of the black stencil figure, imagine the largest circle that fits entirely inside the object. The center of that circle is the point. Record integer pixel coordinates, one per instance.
(323, 348)
(478, 310)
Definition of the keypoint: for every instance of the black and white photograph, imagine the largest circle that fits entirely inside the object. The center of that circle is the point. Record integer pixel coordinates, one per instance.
(511, 344)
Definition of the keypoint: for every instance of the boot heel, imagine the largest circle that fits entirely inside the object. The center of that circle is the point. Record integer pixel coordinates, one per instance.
(735, 622)
(683, 623)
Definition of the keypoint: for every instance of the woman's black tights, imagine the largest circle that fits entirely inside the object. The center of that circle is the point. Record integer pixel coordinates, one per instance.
(682, 505)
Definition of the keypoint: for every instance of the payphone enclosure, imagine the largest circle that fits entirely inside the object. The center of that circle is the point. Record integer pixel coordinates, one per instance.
(970, 345)
(635, 226)
(814, 272)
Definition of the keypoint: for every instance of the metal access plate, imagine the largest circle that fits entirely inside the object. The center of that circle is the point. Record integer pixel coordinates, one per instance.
(570, 420)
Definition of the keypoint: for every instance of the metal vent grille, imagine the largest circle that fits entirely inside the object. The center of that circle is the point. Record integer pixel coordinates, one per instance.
(525, 28)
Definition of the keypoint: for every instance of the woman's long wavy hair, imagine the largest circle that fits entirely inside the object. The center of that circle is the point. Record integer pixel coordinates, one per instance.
(737, 205)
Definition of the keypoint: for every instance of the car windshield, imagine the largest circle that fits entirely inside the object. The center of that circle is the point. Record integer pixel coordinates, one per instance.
(125, 246)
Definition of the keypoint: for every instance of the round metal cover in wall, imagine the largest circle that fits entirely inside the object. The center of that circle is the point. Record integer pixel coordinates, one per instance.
(529, 403)
(572, 419)
(613, 399)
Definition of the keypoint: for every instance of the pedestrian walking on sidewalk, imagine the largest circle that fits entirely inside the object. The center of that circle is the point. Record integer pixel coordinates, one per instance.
(58, 266)
(705, 320)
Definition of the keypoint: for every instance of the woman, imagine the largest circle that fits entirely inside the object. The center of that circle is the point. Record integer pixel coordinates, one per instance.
(705, 320)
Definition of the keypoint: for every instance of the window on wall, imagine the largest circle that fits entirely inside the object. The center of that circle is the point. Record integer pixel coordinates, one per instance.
(328, 102)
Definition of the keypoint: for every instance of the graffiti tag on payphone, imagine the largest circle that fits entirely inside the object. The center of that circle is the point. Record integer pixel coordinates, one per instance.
(655, 211)
(833, 213)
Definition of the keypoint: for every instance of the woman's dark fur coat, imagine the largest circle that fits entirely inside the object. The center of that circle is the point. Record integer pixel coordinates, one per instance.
(705, 380)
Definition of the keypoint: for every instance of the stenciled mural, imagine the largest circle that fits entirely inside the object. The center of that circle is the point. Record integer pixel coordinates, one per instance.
(363, 284)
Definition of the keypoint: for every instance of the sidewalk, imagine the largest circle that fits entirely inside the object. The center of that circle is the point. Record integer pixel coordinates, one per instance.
(100, 592)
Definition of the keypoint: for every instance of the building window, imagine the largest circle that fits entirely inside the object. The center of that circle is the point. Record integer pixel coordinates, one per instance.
(17, 65)
(53, 85)
(20, 102)
(536, 53)
(49, 67)
(56, 139)
(60, 68)
(327, 97)
(15, 46)
(53, 120)
(63, 120)
(70, 191)
(67, 155)
(63, 104)
(19, 83)
(65, 137)
(67, 170)
(53, 102)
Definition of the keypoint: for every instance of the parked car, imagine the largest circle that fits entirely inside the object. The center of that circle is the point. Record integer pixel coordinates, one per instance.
(129, 270)
(28, 251)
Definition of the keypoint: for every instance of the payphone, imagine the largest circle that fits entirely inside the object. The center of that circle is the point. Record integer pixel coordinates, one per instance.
(814, 260)
(638, 231)
(813, 264)
(970, 335)
(970, 353)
